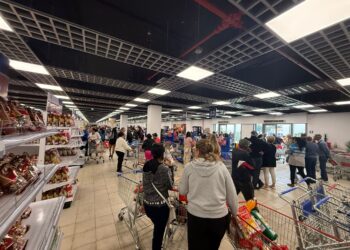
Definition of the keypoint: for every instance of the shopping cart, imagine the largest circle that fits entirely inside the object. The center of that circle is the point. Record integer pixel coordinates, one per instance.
(131, 193)
(315, 208)
(340, 164)
(291, 234)
(96, 151)
(281, 153)
(135, 159)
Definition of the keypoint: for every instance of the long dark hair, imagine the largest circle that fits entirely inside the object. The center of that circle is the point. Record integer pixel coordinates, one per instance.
(188, 134)
(300, 142)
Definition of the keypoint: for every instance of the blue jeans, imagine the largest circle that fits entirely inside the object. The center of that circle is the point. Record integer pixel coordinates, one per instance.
(323, 162)
(310, 165)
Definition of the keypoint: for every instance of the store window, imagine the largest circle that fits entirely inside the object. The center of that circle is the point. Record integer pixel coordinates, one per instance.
(216, 128)
(259, 128)
(237, 135)
(299, 129)
(283, 130)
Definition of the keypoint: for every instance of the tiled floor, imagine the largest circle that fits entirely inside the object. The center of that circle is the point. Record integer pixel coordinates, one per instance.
(92, 220)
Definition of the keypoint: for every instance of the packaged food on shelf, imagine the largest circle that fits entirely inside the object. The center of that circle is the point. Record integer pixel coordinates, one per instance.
(61, 138)
(17, 172)
(52, 156)
(61, 175)
(60, 120)
(66, 191)
(67, 151)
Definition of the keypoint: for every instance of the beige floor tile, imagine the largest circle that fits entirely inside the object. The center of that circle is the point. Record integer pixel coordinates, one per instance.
(102, 209)
(66, 220)
(67, 243)
(105, 232)
(104, 220)
(110, 243)
(68, 230)
(85, 216)
(91, 246)
(85, 226)
(84, 238)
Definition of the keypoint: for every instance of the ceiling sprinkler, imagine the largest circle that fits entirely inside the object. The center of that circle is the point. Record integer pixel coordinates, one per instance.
(198, 50)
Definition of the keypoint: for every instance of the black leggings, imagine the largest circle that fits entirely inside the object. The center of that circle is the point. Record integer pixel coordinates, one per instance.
(159, 216)
(120, 160)
(293, 170)
(206, 233)
(246, 188)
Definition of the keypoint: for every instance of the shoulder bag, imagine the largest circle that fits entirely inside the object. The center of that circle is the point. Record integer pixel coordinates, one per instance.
(172, 213)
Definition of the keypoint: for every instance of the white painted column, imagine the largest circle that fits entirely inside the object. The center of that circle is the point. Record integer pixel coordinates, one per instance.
(154, 119)
(123, 121)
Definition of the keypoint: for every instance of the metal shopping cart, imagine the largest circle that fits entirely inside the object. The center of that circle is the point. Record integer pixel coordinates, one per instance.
(315, 208)
(135, 159)
(291, 234)
(131, 193)
(340, 164)
(96, 151)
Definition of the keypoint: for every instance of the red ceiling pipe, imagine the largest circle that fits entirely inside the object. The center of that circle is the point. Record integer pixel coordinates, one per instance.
(227, 21)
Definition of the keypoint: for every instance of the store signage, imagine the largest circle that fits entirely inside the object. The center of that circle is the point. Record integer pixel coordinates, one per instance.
(212, 112)
(223, 122)
(274, 121)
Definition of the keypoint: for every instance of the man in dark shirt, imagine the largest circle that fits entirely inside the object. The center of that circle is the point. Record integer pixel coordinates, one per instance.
(243, 169)
(257, 148)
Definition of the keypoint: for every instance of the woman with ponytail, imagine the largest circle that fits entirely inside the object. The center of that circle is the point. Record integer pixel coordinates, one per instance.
(209, 195)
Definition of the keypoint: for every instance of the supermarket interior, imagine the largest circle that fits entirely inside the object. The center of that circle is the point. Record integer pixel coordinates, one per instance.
(187, 124)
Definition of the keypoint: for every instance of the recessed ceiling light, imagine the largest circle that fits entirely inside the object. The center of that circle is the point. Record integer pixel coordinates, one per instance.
(342, 103)
(266, 95)
(221, 103)
(230, 112)
(309, 17)
(176, 110)
(194, 107)
(124, 108)
(304, 106)
(247, 115)
(344, 82)
(67, 102)
(195, 73)
(48, 86)
(165, 112)
(4, 25)
(29, 67)
(64, 97)
(317, 110)
(259, 110)
(158, 91)
(130, 105)
(141, 100)
(276, 113)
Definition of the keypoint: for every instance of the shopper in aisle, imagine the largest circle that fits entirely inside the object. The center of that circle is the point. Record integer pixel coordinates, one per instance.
(156, 183)
(257, 147)
(269, 162)
(323, 156)
(243, 169)
(112, 138)
(209, 189)
(216, 147)
(296, 159)
(188, 145)
(94, 136)
(147, 145)
(311, 155)
(156, 138)
(121, 147)
(85, 138)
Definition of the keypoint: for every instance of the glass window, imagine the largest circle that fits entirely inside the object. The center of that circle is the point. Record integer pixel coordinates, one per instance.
(269, 129)
(259, 128)
(216, 128)
(299, 129)
(230, 129)
(237, 135)
(283, 130)
(222, 128)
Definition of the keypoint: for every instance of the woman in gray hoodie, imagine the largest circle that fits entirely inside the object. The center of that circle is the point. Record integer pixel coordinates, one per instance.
(209, 189)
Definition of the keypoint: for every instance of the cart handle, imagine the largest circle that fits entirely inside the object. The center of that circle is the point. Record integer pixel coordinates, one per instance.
(322, 201)
(307, 178)
(288, 191)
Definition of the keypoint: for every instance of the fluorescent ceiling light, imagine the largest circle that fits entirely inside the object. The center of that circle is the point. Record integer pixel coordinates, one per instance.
(165, 112)
(344, 82)
(259, 110)
(141, 100)
(194, 107)
(29, 67)
(221, 103)
(176, 110)
(158, 91)
(48, 86)
(71, 106)
(67, 102)
(64, 97)
(304, 106)
(247, 115)
(309, 17)
(130, 105)
(230, 112)
(317, 110)
(195, 73)
(226, 116)
(124, 108)
(276, 113)
(4, 25)
(342, 103)
(266, 95)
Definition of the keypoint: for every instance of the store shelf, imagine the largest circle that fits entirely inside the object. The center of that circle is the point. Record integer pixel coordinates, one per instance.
(43, 222)
(12, 206)
(74, 145)
(68, 160)
(75, 189)
(59, 128)
(76, 136)
(12, 141)
(56, 245)
(73, 173)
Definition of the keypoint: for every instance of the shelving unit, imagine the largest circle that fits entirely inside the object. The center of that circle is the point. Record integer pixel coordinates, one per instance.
(73, 173)
(43, 223)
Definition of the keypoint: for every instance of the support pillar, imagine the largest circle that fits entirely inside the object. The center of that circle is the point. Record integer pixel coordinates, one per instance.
(154, 119)
(123, 122)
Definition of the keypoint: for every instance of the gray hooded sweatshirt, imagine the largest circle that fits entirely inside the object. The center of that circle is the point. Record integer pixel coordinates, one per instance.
(209, 189)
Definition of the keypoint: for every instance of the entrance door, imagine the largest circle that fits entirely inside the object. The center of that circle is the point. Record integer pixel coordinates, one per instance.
(270, 129)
